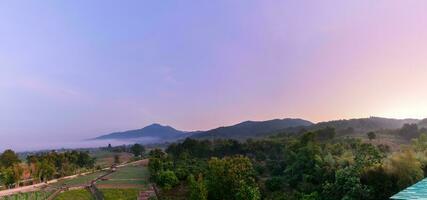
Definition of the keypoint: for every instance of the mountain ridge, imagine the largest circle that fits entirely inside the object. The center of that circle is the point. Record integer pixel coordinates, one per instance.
(252, 129)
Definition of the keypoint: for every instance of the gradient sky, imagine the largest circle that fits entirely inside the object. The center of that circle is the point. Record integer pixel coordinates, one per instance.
(71, 70)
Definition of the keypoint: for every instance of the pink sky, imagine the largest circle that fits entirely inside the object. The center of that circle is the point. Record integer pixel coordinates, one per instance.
(80, 69)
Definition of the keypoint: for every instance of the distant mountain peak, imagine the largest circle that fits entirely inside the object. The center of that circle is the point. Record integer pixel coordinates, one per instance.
(154, 130)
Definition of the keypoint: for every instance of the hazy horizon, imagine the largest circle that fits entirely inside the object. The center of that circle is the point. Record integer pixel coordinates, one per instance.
(75, 70)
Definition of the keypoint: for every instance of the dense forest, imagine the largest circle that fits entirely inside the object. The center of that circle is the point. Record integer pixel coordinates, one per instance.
(308, 165)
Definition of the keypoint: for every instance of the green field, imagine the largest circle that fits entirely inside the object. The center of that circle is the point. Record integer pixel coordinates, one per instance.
(80, 180)
(39, 195)
(129, 175)
(120, 194)
(106, 158)
(80, 194)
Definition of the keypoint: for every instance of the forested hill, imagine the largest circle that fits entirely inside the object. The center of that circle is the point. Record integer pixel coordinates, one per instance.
(239, 131)
(364, 125)
(250, 129)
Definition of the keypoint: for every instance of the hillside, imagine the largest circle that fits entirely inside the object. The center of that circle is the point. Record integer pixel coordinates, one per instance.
(152, 131)
(250, 129)
(364, 125)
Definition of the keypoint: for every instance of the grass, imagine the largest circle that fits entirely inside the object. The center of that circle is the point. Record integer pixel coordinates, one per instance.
(80, 180)
(120, 194)
(130, 172)
(129, 175)
(106, 158)
(80, 194)
(39, 195)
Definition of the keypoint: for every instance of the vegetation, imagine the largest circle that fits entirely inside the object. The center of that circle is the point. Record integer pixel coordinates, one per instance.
(137, 150)
(371, 135)
(10, 170)
(80, 194)
(308, 165)
(79, 180)
(129, 175)
(39, 195)
(120, 194)
(50, 165)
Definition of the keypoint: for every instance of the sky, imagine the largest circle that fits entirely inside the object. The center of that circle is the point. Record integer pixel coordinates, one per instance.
(71, 70)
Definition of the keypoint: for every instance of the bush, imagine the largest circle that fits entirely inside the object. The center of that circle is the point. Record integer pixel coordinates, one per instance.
(167, 180)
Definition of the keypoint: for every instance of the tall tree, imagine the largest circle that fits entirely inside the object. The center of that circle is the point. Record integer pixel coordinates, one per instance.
(371, 135)
(137, 150)
(8, 158)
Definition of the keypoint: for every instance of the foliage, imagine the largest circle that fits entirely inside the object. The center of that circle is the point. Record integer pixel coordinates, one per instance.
(308, 165)
(198, 190)
(167, 179)
(116, 159)
(137, 150)
(8, 158)
(52, 164)
(406, 167)
(371, 135)
(231, 178)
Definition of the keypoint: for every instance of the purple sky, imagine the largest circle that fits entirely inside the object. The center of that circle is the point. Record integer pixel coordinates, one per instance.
(76, 69)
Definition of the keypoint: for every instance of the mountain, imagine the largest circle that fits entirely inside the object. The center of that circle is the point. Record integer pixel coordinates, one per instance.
(364, 125)
(162, 133)
(423, 123)
(250, 129)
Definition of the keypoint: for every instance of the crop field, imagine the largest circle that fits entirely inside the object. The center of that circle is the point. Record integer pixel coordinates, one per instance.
(120, 194)
(106, 158)
(80, 194)
(129, 176)
(80, 180)
(39, 195)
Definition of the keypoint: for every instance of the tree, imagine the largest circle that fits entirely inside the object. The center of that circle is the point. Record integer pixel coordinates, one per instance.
(275, 183)
(167, 180)
(347, 185)
(116, 159)
(231, 178)
(327, 133)
(137, 150)
(371, 135)
(420, 143)
(44, 170)
(406, 167)
(8, 158)
(381, 183)
(409, 131)
(248, 192)
(198, 190)
(7, 177)
(11, 175)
